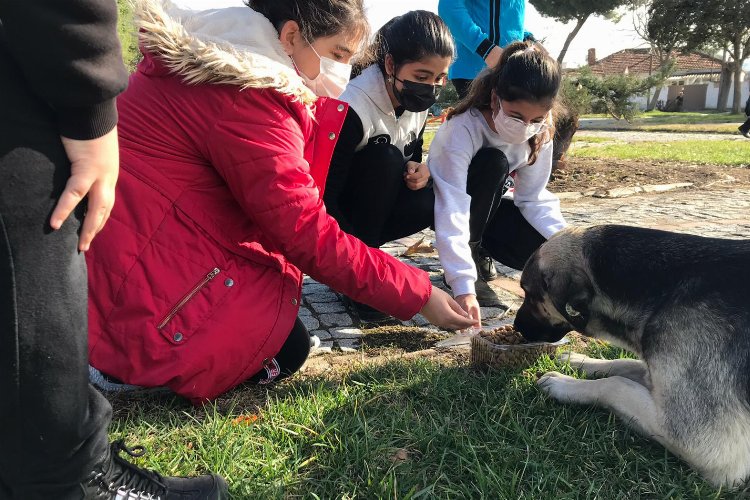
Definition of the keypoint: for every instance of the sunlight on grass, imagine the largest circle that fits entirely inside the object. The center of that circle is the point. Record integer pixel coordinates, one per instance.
(736, 153)
(409, 429)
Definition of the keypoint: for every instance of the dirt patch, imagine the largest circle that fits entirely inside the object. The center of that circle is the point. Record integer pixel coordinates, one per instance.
(581, 174)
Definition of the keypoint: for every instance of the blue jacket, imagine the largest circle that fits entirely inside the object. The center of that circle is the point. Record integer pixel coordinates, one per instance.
(478, 26)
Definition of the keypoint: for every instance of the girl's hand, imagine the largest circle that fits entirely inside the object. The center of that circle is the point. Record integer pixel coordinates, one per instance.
(441, 310)
(94, 165)
(469, 304)
(416, 176)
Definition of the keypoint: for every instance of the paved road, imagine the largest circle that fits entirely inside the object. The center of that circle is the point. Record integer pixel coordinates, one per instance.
(643, 136)
(717, 213)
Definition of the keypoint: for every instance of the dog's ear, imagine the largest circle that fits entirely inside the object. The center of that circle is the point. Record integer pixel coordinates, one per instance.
(571, 290)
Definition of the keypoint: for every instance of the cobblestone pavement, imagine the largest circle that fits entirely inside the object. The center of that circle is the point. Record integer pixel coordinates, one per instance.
(716, 213)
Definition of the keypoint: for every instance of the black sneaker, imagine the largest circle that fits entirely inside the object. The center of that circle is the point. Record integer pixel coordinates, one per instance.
(486, 296)
(367, 314)
(746, 133)
(484, 263)
(116, 478)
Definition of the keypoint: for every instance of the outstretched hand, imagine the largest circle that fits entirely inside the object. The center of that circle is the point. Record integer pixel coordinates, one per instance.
(94, 166)
(468, 303)
(441, 310)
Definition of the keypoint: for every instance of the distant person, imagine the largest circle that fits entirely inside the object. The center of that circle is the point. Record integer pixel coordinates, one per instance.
(378, 188)
(481, 28)
(226, 136)
(60, 70)
(504, 126)
(745, 127)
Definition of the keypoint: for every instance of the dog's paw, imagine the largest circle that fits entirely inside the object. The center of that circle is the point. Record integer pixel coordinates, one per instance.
(575, 359)
(558, 386)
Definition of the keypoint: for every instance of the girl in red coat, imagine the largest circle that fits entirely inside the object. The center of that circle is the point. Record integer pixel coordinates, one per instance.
(195, 283)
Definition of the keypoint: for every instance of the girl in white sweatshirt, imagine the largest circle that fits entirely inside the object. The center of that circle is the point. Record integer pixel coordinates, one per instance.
(503, 128)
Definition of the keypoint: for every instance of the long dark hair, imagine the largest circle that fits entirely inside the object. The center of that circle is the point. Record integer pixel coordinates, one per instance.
(316, 18)
(526, 72)
(409, 38)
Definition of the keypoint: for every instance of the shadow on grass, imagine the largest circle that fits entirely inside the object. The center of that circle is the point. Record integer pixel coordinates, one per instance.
(408, 429)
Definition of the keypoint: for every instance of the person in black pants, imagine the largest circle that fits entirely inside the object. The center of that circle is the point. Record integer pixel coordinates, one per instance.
(60, 70)
(378, 189)
(745, 127)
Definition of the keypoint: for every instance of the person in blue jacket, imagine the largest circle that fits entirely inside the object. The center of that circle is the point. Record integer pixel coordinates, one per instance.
(481, 28)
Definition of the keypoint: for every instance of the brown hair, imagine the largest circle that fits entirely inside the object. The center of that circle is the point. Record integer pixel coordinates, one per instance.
(526, 72)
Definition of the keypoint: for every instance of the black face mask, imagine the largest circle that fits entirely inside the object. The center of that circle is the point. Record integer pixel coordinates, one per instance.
(416, 97)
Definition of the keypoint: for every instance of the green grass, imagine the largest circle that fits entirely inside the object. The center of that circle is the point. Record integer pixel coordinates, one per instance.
(408, 430)
(697, 128)
(703, 152)
(590, 139)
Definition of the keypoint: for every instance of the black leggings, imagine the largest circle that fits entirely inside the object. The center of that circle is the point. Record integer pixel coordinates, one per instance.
(494, 221)
(292, 355)
(376, 201)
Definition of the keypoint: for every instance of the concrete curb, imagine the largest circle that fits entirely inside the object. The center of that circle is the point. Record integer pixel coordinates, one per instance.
(623, 191)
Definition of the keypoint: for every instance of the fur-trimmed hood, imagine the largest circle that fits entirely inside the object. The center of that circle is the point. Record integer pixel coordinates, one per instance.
(234, 46)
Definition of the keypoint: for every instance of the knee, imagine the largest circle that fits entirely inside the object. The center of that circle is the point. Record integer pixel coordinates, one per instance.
(491, 164)
(386, 158)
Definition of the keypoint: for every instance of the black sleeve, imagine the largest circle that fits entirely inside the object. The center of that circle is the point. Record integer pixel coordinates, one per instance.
(70, 54)
(417, 156)
(350, 136)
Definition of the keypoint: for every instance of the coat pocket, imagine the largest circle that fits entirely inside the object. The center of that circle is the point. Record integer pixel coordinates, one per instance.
(193, 307)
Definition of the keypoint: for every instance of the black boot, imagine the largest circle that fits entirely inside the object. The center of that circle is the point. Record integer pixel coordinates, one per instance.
(483, 261)
(116, 478)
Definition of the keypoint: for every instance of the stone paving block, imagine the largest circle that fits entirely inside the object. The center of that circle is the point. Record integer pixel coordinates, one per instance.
(310, 322)
(316, 287)
(336, 319)
(328, 307)
(345, 333)
(348, 345)
(322, 334)
(420, 320)
(320, 296)
(491, 312)
(304, 311)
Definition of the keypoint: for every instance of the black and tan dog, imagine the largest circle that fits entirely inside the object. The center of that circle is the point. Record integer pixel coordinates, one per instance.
(681, 303)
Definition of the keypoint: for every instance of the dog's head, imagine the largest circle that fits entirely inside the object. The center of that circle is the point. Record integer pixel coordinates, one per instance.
(558, 289)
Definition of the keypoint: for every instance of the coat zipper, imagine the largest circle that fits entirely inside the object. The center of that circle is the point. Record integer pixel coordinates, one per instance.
(184, 300)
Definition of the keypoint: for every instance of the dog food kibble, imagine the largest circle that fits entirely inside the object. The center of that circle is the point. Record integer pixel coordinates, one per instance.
(506, 334)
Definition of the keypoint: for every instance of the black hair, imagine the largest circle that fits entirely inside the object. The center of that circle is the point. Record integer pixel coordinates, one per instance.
(525, 72)
(409, 38)
(316, 18)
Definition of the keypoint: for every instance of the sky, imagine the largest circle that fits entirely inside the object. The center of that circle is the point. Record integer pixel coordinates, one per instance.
(598, 33)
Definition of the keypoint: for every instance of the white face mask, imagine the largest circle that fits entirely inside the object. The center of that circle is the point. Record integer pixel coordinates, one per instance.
(515, 131)
(332, 79)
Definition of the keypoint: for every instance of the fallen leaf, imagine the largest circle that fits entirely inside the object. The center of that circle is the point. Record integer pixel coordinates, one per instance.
(245, 420)
(400, 455)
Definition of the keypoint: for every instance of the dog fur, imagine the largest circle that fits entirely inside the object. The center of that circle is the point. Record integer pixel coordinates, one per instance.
(681, 303)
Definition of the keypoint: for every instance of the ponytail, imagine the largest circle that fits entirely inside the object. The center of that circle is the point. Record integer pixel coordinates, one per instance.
(526, 72)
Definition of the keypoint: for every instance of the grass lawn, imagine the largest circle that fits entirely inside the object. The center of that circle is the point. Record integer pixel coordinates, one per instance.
(703, 152)
(421, 428)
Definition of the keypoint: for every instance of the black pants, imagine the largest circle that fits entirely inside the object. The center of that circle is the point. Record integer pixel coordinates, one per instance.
(462, 86)
(377, 203)
(494, 221)
(745, 127)
(292, 355)
(53, 424)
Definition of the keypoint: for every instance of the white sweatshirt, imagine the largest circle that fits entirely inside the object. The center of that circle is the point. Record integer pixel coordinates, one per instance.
(456, 143)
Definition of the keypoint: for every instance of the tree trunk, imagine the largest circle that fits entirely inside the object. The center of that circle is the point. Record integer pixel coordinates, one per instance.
(652, 104)
(724, 82)
(737, 54)
(570, 38)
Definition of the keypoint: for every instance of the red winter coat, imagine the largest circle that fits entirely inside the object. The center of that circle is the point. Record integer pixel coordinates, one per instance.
(195, 281)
